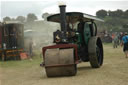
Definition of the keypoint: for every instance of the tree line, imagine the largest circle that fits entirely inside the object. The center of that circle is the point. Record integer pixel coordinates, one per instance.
(30, 18)
(114, 21)
(117, 13)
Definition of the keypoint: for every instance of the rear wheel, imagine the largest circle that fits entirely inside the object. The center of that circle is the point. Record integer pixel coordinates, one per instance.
(95, 50)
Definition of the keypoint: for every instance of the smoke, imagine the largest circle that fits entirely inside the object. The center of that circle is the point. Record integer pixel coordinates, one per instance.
(41, 33)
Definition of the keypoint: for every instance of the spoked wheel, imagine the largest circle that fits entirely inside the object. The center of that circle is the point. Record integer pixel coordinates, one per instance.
(60, 62)
(95, 49)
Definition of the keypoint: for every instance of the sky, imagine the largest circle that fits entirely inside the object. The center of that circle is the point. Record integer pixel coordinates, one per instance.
(14, 8)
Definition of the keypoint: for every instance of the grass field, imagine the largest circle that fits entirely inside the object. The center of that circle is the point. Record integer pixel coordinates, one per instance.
(113, 72)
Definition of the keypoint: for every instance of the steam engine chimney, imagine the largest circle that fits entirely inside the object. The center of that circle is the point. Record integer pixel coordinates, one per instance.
(63, 17)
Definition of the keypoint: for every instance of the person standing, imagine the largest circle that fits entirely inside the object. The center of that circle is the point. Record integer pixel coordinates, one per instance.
(125, 44)
(115, 42)
(30, 48)
(120, 37)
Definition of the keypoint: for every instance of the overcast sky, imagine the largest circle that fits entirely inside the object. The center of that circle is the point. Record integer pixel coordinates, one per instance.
(38, 7)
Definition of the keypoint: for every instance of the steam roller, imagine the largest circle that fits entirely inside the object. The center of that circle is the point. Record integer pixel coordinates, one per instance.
(75, 42)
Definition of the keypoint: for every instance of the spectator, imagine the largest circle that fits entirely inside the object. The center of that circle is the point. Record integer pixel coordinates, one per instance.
(120, 37)
(115, 42)
(125, 44)
(30, 48)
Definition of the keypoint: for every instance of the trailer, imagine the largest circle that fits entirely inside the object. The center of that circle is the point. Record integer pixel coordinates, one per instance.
(11, 40)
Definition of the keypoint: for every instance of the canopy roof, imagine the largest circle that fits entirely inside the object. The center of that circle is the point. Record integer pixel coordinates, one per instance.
(73, 17)
(12, 22)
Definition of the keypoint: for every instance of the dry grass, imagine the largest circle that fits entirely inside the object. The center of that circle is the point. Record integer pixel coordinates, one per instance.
(113, 72)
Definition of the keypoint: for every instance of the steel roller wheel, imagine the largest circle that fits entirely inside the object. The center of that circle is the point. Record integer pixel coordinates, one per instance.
(60, 62)
(95, 50)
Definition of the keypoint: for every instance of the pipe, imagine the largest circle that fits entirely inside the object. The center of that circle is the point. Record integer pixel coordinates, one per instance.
(63, 18)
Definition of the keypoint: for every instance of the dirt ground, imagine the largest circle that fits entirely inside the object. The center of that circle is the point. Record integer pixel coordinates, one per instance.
(113, 72)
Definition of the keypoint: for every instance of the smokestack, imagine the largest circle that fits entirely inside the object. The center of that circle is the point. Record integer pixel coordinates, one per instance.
(63, 17)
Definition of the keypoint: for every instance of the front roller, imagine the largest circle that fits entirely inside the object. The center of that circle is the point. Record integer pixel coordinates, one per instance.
(59, 62)
(95, 50)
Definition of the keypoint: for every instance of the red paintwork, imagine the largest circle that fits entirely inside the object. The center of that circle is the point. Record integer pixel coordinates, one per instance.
(0, 35)
(62, 46)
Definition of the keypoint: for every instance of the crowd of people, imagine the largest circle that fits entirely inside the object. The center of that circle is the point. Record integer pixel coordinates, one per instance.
(121, 39)
(117, 39)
